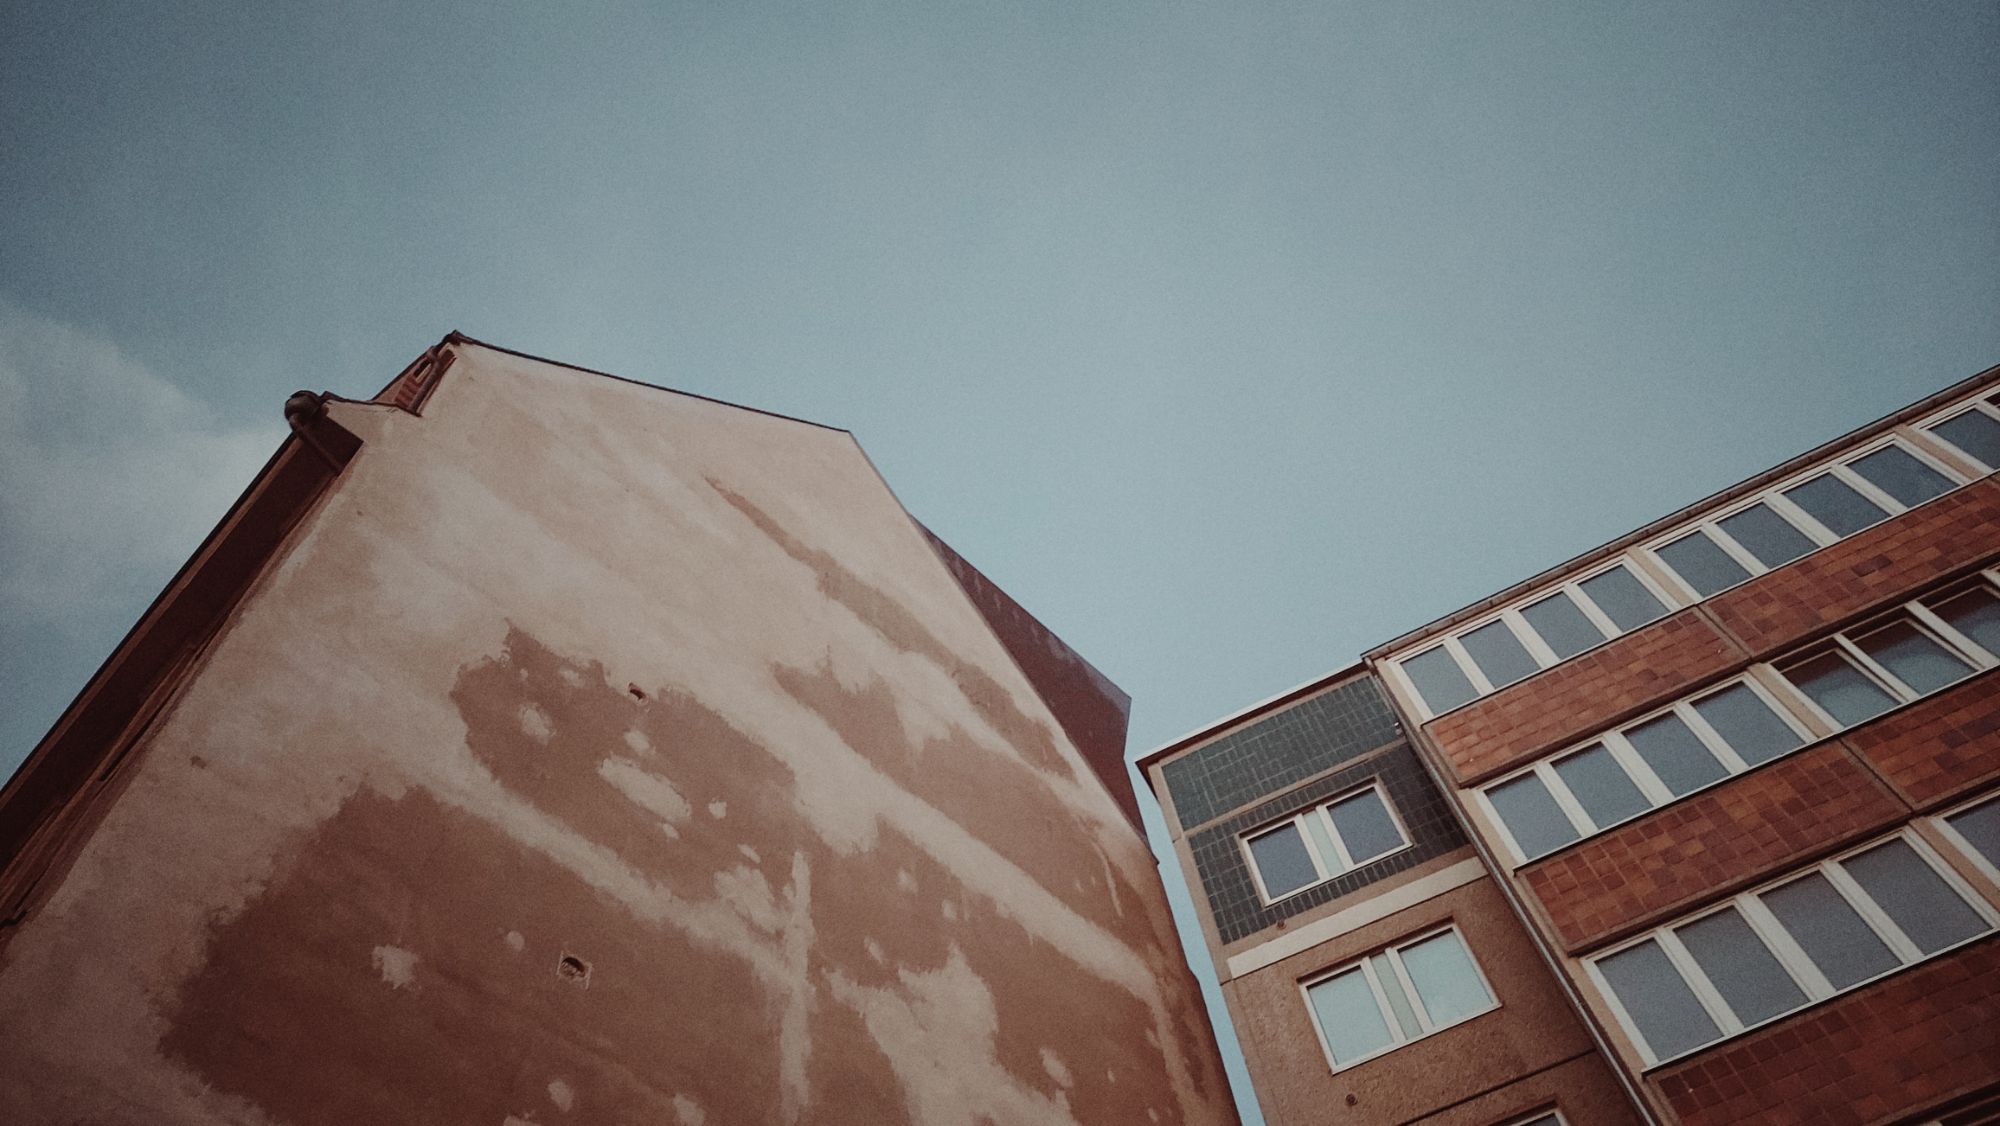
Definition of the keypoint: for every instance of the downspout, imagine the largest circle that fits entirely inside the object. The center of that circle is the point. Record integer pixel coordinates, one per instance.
(1502, 878)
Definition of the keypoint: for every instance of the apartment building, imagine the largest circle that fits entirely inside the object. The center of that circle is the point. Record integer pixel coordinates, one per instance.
(532, 746)
(1368, 958)
(1713, 810)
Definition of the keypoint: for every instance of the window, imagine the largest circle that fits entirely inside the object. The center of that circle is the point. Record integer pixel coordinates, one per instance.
(1924, 647)
(1974, 432)
(1403, 993)
(1547, 630)
(1644, 765)
(1832, 928)
(1975, 828)
(1544, 1118)
(1320, 843)
(1802, 516)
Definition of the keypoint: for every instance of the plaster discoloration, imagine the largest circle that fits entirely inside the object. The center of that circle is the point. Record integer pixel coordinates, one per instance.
(753, 764)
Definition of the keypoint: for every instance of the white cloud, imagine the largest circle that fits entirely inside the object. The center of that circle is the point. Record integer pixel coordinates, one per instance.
(110, 475)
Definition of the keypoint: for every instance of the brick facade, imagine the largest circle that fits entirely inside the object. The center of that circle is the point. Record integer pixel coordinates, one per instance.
(1909, 1041)
(1580, 696)
(1717, 841)
(1871, 570)
(1938, 748)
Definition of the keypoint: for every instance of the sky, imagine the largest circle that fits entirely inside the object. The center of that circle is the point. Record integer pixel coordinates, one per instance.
(1231, 339)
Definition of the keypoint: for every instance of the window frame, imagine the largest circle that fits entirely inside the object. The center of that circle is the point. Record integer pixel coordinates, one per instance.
(1917, 613)
(1636, 768)
(1525, 634)
(1343, 854)
(1981, 404)
(1366, 964)
(1772, 496)
(1790, 956)
(1988, 867)
(1550, 1113)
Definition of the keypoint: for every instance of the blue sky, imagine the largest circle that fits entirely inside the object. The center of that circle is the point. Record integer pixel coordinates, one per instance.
(1230, 339)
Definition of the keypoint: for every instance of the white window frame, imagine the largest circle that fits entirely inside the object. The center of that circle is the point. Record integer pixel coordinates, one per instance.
(1917, 613)
(1773, 497)
(1366, 964)
(1635, 766)
(1550, 1113)
(1525, 634)
(1988, 868)
(1981, 404)
(1790, 956)
(1343, 856)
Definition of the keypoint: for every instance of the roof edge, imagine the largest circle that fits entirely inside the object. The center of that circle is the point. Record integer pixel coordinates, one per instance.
(1879, 426)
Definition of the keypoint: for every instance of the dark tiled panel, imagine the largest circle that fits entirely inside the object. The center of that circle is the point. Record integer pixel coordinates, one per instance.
(1225, 875)
(1280, 749)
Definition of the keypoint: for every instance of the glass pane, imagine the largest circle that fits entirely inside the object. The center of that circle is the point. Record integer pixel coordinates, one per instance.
(1537, 822)
(1835, 503)
(1747, 724)
(1623, 598)
(1839, 687)
(1741, 967)
(1705, 566)
(1562, 625)
(1601, 786)
(1826, 926)
(1680, 759)
(1975, 433)
(1438, 680)
(1446, 981)
(1976, 614)
(1766, 535)
(1980, 826)
(1498, 653)
(1914, 656)
(1348, 1016)
(1365, 826)
(1915, 896)
(1392, 991)
(1283, 861)
(1896, 471)
(1658, 1000)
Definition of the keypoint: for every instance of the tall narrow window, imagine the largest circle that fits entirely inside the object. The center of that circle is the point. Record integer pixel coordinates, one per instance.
(1846, 693)
(1702, 564)
(1439, 680)
(1836, 504)
(1899, 473)
(1974, 433)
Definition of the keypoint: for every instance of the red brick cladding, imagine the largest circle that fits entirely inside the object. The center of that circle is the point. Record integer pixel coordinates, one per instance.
(1581, 696)
(1721, 839)
(1940, 747)
(1900, 1045)
(1875, 568)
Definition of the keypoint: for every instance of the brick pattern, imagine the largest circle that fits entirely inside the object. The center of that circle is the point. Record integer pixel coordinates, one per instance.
(1581, 696)
(1940, 747)
(1876, 568)
(1225, 874)
(1896, 1047)
(1719, 840)
(1278, 750)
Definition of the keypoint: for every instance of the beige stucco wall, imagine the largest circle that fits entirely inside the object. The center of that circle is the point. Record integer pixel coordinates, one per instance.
(599, 754)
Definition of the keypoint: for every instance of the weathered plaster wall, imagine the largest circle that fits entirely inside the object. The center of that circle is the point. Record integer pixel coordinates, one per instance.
(599, 754)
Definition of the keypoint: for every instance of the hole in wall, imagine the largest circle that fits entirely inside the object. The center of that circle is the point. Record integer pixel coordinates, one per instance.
(637, 692)
(574, 970)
